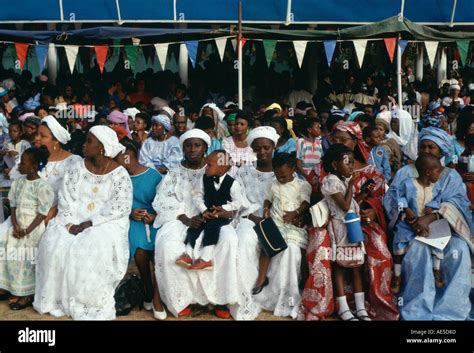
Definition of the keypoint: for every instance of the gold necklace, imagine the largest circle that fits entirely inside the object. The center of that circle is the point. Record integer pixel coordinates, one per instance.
(95, 189)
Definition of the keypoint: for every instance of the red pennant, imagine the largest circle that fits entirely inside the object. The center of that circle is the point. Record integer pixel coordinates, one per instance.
(101, 53)
(21, 51)
(390, 44)
(244, 40)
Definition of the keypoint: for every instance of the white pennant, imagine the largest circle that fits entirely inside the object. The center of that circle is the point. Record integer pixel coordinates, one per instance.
(360, 45)
(162, 53)
(234, 44)
(431, 49)
(300, 48)
(71, 54)
(220, 43)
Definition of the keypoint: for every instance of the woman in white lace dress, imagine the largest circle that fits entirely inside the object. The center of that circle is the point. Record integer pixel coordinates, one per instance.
(175, 213)
(84, 252)
(53, 136)
(255, 181)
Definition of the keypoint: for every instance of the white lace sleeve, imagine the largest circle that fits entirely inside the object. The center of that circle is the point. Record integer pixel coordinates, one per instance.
(166, 203)
(120, 202)
(68, 194)
(45, 198)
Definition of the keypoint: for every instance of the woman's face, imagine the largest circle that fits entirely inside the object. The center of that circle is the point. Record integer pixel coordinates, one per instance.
(343, 138)
(263, 148)
(241, 126)
(47, 139)
(278, 128)
(30, 129)
(395, 126)
(140, 124)
(194, 149)
(92, 147)
(157, 129)
(470, 130)
(427, 146)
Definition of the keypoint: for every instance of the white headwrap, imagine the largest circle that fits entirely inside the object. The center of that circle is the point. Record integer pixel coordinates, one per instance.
(455, 86)
(108, 138)
(195, 133)
(406, 127)
(131, 112)
(163, 120)
(215, 108)
(57, 130)
(169, 111)
(263, 132)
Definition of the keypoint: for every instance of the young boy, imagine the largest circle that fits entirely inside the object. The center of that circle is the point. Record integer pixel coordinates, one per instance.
(378, 155)
(219, 199)
(13, 149)
(394, 153)
(206, 123)
(30, 128)
(416, 198)
(309, 152)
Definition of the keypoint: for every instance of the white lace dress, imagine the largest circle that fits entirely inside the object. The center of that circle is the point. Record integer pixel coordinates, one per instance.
(180, 287)
(255, 185)
(54, 172)
(282, 294)
(76, 275)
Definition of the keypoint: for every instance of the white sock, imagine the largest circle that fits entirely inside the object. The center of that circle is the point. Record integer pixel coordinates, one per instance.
(189, 250)
(436, 263)
(398, 270)
(207, 252)
(360, 305)
(344, 308)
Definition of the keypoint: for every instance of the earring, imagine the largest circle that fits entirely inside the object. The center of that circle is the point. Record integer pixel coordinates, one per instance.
(54, 148)
(102, 152)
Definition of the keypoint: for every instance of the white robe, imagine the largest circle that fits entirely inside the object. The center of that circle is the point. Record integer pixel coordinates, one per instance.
(180, 287)
(76, 275)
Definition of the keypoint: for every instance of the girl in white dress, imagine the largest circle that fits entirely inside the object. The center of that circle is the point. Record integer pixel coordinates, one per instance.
(84, 252)
(286, 201)
(30, 199)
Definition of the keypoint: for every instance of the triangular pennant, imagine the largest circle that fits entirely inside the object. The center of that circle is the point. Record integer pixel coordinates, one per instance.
(41, 54)
(329, 47)
(431, 49)
(192, 47)
(220, 43)
(463, 47)
(71, 54)
(300, 48)
(402, 44)
(360, 45)
(21, 51)
(234, 44)
(132, 55)
(162, 52)
(101, 54)
(390, 44)
(269, 47)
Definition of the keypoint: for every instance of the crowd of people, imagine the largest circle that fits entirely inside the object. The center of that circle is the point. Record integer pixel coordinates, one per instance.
(102, 174)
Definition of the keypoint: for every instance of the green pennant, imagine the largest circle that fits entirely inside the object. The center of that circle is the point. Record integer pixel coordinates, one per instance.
(132, 55)
(463, 47)
(116, 46)
(269, 47)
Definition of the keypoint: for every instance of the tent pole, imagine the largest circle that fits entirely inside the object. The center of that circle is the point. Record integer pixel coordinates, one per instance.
(239, 57)
(61, 10)
(451, 24)
(119, 15)
(399, 73)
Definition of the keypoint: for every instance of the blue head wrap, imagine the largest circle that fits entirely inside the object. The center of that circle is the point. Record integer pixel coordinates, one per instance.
(163, 120)
(440, 137)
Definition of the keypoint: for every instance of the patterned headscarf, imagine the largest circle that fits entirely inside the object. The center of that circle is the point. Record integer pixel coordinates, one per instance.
(119, 118)
(353, 129)
(433, 120)
(440, 137)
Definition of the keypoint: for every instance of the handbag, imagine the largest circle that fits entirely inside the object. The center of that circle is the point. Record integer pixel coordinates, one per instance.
(320, 214)
(270, 237)
(129, 293)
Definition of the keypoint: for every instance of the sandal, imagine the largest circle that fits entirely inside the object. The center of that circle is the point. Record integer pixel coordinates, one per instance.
(351, 318)
(364, 316)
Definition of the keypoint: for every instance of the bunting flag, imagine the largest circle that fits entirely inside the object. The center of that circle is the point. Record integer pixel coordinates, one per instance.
(300, 49)
(329, 47)
(269, 46)
(41, 54)
(162, 52)
(221, 43)
(132, 55)
(21, 51)
(101, 54)
(402, 44)
(390, 44)
(71, 55)
(463, 47)
(360, 45)
(192, 47)
(431, 49)
(234, 44)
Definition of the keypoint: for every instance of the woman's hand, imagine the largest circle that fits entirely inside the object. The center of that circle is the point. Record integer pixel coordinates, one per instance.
(368, 216)
(255, 219)
(149, 218)
(163, 170)
(266, 213)
(290, 217)
(138, 214)
(195, 222)
(422, 225)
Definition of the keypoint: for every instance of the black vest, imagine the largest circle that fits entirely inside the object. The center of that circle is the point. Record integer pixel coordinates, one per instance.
(213, 197)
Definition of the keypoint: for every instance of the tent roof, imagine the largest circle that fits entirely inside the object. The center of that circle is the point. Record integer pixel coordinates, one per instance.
(225, 11)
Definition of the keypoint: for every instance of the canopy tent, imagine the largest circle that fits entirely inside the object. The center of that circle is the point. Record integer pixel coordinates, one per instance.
(433, 12)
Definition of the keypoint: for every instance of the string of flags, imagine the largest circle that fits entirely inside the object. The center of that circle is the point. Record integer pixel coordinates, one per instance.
(269, 45)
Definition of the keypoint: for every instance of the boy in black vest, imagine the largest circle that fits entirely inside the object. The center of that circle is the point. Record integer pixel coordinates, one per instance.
(219, 199)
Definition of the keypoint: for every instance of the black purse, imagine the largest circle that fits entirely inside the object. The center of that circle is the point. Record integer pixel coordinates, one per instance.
(129, 294)
(270, 237)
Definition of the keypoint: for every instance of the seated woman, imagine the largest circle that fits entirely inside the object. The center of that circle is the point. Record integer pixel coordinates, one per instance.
(176, 212)
(420, 298)
(318, 297)
(84, 252)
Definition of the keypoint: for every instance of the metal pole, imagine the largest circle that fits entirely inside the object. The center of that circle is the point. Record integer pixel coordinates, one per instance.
(399, 73)
(239, 57)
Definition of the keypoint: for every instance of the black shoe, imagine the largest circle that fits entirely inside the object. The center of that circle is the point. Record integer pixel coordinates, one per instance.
(257, 290)
(18, 306)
